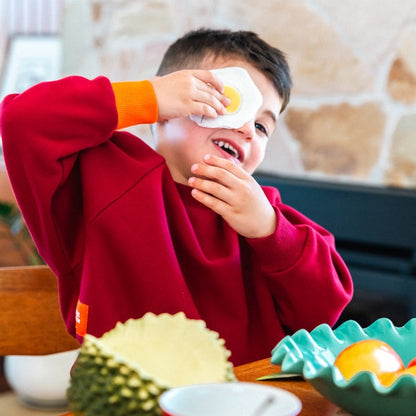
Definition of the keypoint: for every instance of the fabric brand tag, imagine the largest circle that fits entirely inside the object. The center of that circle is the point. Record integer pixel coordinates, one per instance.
(81, 319)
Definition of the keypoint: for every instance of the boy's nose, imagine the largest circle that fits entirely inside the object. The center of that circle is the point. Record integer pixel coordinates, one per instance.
(247, 130)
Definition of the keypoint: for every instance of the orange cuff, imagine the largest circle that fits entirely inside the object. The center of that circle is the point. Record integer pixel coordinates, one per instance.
(136, 103)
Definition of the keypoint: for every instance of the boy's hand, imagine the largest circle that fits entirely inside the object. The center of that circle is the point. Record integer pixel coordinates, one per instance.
(232, 193)
(187, 92)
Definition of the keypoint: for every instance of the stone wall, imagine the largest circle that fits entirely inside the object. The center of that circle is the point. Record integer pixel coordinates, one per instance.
(352, 116)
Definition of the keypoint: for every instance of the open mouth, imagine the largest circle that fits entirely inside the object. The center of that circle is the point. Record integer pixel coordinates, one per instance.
(228, 147)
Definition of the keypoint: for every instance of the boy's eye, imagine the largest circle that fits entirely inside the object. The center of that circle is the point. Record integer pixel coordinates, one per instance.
(262, 128)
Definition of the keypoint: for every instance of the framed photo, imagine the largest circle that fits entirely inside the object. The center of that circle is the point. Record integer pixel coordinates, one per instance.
(29, 59)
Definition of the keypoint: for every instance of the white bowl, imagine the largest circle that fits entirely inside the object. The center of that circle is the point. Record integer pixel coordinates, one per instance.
(40, 381)
(229, 399)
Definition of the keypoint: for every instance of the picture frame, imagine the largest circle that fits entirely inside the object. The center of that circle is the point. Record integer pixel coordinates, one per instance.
(29, 59)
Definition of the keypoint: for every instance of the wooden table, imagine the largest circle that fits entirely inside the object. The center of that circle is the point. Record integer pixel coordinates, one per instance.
(313, 403)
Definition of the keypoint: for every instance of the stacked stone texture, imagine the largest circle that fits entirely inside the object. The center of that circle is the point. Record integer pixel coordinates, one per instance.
(352, 115)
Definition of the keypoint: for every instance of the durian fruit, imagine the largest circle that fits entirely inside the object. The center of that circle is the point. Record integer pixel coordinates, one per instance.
(126, 370)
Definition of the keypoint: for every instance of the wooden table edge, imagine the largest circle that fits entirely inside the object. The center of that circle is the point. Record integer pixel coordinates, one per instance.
(313, 403)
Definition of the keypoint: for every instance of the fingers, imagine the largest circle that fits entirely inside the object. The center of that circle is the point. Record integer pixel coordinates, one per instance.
(219, 168)
(219, 178)
(207, 191)
(208, 102)
(208, 78)
(186, 92)
(209, 94)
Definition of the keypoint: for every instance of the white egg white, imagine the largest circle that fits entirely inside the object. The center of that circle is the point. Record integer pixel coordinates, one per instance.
(251, 99)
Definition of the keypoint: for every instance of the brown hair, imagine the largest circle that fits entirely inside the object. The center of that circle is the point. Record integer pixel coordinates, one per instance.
(194, 47)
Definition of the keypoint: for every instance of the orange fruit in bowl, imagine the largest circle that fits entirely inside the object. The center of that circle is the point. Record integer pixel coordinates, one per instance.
(410, 369)
(370, 355)
(412, 363)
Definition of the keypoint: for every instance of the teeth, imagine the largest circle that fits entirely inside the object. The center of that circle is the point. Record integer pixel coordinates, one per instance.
(228, 147)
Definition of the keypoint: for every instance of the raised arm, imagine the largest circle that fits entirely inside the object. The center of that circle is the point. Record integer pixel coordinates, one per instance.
(44, 131)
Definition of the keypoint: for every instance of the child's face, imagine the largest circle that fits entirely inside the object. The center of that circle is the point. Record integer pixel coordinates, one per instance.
(182, 142)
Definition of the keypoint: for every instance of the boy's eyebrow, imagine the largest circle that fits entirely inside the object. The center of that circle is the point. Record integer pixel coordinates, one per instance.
(272, 115)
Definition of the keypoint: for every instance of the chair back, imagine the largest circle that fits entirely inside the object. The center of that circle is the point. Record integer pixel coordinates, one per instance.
(30, 319)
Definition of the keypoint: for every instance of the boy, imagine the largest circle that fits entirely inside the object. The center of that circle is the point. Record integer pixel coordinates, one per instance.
(129, 230)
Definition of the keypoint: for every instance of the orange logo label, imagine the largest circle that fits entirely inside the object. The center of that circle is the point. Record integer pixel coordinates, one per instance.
(81, 319)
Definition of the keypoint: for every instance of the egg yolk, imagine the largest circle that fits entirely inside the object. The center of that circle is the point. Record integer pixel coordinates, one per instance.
(235, 99)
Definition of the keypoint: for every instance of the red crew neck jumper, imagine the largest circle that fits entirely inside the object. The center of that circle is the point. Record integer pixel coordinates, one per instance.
(124, 239)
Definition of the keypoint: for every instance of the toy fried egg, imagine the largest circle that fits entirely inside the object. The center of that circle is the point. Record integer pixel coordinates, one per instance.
(245, 99)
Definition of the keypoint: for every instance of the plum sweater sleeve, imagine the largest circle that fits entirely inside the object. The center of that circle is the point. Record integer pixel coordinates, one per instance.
(309, 280)
(66, 120)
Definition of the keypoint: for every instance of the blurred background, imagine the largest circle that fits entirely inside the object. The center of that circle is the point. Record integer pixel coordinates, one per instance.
(350, 124)
(353, 110)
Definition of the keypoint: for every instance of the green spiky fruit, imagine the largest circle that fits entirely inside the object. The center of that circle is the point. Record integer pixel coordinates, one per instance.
(126, 370)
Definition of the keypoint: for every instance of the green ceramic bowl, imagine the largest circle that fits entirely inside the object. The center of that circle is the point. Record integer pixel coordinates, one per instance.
(312, 354)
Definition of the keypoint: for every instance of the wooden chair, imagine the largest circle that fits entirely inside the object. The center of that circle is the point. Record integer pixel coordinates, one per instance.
(30, 317)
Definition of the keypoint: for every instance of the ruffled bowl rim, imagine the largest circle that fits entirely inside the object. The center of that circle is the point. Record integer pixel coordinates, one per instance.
(312, 354)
